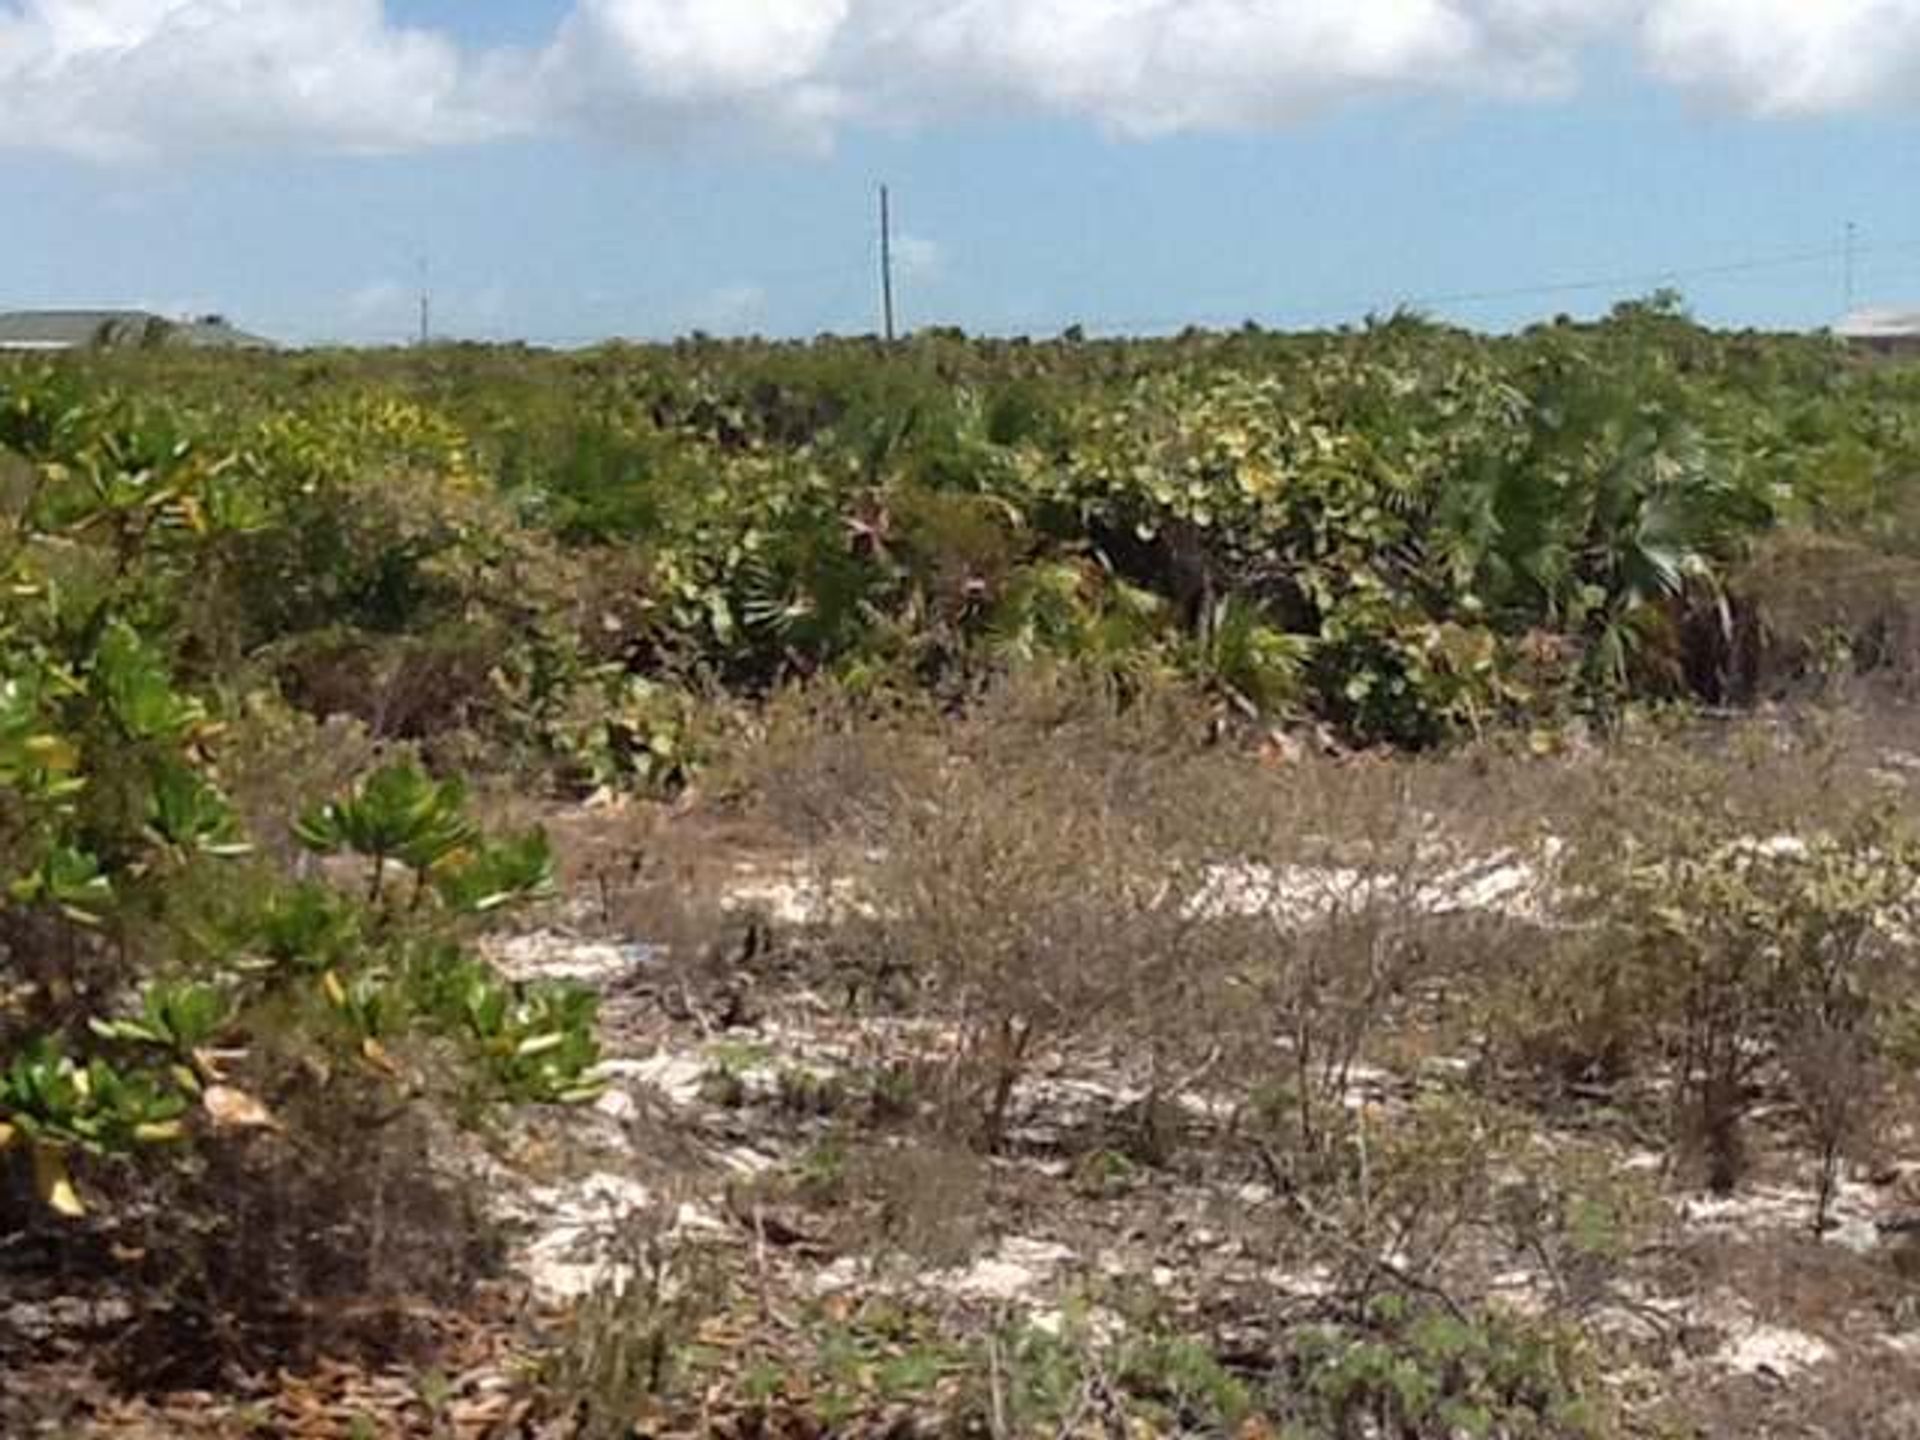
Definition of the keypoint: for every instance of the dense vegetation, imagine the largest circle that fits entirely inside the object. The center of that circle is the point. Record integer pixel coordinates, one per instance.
(262, 614)
(1409, 533)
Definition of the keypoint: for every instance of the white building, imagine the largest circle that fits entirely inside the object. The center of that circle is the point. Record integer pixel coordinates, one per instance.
(1883, 331)
(57, 330)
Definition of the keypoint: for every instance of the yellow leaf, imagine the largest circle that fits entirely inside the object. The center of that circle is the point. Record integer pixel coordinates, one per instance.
(54, 1184)
(7, 1135)
(163, 1133)
(53, 753)
(377, 1056)
(336, 992)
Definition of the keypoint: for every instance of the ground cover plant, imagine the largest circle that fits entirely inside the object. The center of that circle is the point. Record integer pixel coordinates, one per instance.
(1312, 886)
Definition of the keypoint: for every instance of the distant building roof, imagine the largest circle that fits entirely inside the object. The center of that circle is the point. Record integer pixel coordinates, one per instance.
(1880, 323)
(118, 329)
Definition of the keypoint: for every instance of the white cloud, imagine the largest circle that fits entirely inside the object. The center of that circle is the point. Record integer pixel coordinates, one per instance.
(125, 76)
(1143, 66)
(695, 50)
(650, 68)
(120, 76)
(1789, 56)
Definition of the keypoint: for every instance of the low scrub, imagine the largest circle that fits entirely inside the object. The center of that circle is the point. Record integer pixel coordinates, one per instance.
(1817, 612)
(1030, 917)
(1737, 923)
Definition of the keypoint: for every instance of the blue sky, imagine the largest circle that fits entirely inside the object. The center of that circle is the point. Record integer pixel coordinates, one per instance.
(571, 169)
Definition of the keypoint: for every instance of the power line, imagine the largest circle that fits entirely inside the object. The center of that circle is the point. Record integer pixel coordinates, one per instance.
(1849, 253)
(1546, 288)
(1623, 282)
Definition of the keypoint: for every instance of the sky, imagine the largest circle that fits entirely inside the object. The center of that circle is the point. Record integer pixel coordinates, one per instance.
(563, 171)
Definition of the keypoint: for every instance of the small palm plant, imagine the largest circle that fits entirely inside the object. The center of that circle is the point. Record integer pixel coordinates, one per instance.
(398, 815)
(182, 1018)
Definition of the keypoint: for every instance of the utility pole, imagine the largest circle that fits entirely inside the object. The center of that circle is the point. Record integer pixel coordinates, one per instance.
(1852, 251)
(886, 260)
(426, 306)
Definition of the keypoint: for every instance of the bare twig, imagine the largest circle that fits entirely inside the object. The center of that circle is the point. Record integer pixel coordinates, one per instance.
(996, 1386)
(1330, 1232)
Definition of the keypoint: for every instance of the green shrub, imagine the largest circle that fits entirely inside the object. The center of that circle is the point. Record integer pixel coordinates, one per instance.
(182, 1014)
(1421, 1371)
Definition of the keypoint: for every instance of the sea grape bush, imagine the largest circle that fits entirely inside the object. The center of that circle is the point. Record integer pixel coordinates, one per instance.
(1408, 532)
